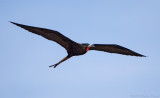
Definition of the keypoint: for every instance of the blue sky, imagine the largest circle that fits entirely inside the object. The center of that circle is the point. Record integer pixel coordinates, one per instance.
(25, 57)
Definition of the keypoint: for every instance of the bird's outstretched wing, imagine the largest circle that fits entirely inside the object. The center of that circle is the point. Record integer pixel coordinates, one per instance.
(112, 48)
(49, 34)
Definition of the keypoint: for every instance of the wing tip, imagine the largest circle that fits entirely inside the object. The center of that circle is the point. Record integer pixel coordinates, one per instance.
(13, 23)
(142, 56)
(20, 25)
(139, 55)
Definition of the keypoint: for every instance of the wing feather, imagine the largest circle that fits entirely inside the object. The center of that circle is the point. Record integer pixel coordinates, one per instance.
(49, 34)
(112, 48)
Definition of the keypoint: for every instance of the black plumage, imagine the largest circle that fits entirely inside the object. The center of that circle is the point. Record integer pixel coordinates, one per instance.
(73, 48)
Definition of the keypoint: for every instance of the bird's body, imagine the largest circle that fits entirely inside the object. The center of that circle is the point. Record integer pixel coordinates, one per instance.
(73, 48)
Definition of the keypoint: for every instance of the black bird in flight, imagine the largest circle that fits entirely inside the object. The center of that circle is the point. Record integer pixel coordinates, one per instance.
(73, 48)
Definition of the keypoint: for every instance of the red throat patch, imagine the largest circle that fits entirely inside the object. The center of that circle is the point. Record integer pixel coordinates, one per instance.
(87, 49)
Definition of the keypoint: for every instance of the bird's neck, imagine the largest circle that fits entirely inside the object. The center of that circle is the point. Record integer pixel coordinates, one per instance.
(87, 48)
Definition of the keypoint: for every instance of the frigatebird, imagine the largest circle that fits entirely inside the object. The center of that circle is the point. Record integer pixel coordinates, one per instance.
(73, 48)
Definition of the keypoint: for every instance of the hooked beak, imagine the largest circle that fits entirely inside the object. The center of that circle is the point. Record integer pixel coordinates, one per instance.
(91, 45)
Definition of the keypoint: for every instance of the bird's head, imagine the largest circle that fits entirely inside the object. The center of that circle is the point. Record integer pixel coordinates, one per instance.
(85, 45)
